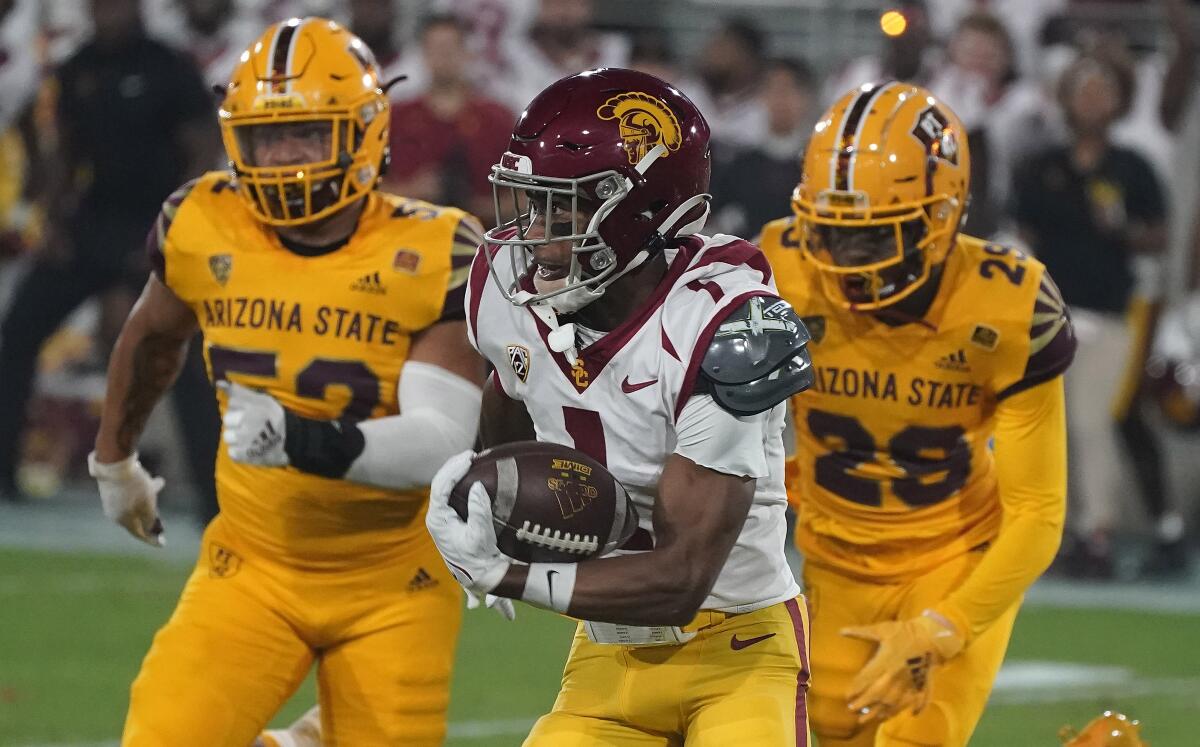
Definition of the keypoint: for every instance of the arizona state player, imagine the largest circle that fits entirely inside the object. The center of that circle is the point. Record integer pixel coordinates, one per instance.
(919, 535)
(344, 306)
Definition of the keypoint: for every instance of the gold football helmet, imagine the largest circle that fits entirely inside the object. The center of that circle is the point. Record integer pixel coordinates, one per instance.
(305, 121)
(883, 192)
(1107, 730)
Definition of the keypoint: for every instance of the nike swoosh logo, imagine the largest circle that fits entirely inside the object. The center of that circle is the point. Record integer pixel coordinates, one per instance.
(550, 585)
(738, 645)
(631, 388)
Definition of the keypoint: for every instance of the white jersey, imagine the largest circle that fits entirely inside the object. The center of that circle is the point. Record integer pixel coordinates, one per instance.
(620, 399)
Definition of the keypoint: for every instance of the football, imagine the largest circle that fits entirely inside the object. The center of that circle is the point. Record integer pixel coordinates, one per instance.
(550, 503)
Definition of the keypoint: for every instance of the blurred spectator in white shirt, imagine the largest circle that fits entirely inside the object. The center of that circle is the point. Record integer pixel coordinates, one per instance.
(19, 65)
(444, 142)
(1003, 112)
(212, 32)
(562, 41)
(753, 186)
(377, 23)
(651, 52)
(730, 67)
(494, 28)
(1023, 18)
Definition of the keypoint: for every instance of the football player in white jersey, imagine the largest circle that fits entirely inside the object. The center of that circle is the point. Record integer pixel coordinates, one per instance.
(667, 356)
(614, 328)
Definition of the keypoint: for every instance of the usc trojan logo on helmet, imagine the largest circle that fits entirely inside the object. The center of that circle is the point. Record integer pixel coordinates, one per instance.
(644, 122)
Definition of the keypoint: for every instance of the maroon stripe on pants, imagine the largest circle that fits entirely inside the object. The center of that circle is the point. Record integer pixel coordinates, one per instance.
(793, 609)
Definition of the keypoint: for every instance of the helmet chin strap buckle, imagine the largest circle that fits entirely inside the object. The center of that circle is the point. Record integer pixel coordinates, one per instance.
(602, 258)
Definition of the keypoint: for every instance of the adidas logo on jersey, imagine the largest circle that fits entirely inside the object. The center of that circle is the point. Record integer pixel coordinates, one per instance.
(954, 361)
(369, 283)
(422, 581)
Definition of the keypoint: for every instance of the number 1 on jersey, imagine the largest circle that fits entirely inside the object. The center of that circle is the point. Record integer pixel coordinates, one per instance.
(587, 431)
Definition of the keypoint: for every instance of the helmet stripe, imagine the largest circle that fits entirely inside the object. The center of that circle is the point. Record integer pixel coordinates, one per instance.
(838, 159)
(270, 72)
(859, 123)
(291, 54)
(281, 54)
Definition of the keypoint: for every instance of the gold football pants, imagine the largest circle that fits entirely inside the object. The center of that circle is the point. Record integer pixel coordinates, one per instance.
(247, 629)
(739, 681)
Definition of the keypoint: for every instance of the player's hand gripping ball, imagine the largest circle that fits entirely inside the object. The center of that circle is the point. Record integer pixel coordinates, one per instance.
(550, 503)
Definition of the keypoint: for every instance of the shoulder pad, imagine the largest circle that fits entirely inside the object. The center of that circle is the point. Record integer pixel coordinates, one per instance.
(758, 357)
(156, 239)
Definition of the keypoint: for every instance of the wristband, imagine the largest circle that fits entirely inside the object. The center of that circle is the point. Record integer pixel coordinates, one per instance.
(550, 585)
(321, 447)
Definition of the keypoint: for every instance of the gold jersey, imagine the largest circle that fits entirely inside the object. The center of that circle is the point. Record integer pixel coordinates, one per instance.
(893, 473)
(326, 335)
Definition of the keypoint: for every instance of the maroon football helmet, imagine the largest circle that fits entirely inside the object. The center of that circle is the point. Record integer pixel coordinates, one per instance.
(620, 145)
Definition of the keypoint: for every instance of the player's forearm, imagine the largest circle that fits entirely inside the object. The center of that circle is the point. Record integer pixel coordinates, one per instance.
(651, 588)
(1031, 465)
(438, 414)
(143, 366)
(1019, 555)
(429, 438)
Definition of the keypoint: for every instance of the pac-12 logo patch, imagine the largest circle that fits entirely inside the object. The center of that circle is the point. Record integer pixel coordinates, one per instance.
(220, 265)
(644, 121)
(518, 358)
(222, 562)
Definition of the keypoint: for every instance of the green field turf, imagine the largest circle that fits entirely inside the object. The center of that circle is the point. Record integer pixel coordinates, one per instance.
(73, 628)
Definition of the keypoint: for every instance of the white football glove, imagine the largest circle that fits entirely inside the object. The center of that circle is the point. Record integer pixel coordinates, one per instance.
(254, 426)
(502, 605)
(130, 497)
(467, 547)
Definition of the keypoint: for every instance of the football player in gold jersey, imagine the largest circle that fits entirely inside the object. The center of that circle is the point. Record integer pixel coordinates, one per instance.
(333, 322)
(930, 465)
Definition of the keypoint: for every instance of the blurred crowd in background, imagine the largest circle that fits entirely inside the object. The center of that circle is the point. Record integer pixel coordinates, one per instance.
(1083, 119)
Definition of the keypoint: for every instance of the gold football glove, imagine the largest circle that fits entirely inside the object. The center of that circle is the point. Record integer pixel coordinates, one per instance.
(1108, 730)
(897, 676)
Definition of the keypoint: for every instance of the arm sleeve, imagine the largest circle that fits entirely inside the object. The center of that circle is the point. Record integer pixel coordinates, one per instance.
(1031, 466)
(468, 235)
(713, 437)
(439, 413)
